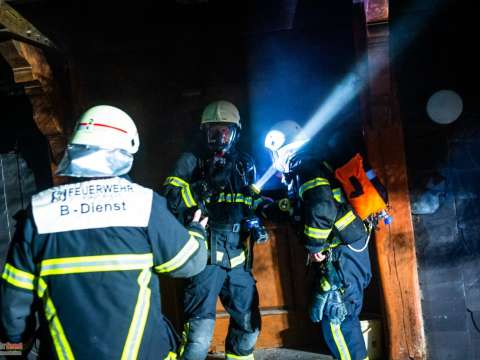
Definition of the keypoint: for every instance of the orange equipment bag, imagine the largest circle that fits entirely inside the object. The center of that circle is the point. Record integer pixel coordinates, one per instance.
(360, 192)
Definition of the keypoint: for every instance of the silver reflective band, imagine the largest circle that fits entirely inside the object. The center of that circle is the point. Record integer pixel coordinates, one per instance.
(93, 161)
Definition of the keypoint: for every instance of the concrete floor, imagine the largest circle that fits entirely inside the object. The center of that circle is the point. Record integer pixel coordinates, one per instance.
(276, 354)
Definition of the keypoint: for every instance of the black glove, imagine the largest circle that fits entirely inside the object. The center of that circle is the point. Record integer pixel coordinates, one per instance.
(317, 306)
(335, 308)
(260, 235)
(258, 232)
(197, 228)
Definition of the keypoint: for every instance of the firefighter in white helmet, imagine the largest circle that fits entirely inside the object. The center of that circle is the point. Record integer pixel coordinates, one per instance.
(88, 252)
(216, 176)
(335, 238)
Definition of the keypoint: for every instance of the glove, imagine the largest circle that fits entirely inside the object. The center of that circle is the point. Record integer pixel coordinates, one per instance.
(317, 307)
(260, 234)
(197, 227)
(335, 307)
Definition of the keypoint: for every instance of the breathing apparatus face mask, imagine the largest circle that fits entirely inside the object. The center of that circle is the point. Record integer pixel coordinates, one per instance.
(220, 137)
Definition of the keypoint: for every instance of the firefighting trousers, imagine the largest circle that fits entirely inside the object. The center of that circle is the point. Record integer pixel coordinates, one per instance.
(346, 341)
(238, 293)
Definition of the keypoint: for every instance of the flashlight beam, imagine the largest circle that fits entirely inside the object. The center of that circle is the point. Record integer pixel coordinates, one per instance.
(343, 93)
(265, 177)
(351, 86)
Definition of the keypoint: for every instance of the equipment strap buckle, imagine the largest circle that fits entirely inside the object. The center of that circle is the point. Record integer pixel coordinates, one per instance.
(236, 228)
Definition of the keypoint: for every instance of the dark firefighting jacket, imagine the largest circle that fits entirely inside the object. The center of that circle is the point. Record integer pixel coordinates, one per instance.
(329, 222)
(89, 252)
(326, 215)
(223, 193)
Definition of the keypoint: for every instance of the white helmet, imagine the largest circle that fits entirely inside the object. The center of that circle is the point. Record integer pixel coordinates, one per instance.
(221, 112)
(221, 125)
(106, 127)
(283, 141)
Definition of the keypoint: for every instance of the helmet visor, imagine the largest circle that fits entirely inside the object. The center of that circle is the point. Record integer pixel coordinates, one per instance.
(220, 137)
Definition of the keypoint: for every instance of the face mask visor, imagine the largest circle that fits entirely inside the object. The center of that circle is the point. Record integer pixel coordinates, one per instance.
(220, 137)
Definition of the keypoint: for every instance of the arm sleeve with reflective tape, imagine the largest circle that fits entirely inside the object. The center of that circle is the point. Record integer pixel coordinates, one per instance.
(177, 251)
(17, 294)
(177, 188)
(320, 209)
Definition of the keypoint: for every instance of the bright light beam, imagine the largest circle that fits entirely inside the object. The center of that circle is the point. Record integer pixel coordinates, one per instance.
(265, 177)
(353, 83)
(343, 93)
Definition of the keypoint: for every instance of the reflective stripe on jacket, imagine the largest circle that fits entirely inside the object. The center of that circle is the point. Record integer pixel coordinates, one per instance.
(88, 251)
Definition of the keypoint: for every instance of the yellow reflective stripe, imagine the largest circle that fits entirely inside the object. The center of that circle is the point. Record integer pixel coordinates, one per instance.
(338, 195)
(219, 256)
(188, 197)
(241, 357)
(324, 284)
(316, 233)
(310, 184)
(237, 260)
(18, 278)
(345, 220)
(60, 342)
(186, 192)
(234, 198)
(175, 181)
(139, 319)
(183, 342)
(62, 347)
(340, 342)
(336, 242)
(83, 264)
(197, 235)
(182, 256)
(171, 356)
(41, 287)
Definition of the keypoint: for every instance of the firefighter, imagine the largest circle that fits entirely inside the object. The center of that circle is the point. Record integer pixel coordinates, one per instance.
(88, 249)
(335, 238)
(216, 176)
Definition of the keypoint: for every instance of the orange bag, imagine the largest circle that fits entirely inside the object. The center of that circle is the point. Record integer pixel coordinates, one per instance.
(360, 192)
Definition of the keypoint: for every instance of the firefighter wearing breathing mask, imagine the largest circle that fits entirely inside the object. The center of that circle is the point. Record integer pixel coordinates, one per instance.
(89, 251)
(217, 177)
(335, 238)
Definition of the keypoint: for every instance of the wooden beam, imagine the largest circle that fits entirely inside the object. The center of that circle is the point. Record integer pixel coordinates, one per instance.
(31, 68)
(22, 71)
(395, 244)
(21, 28)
